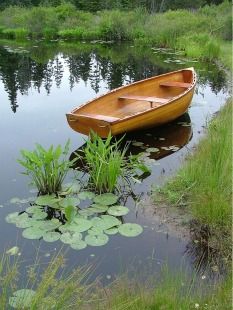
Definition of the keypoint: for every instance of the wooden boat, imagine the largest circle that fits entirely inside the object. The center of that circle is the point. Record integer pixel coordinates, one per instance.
(142, 104)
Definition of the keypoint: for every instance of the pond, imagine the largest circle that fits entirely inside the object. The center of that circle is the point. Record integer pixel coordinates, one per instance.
(39, 83)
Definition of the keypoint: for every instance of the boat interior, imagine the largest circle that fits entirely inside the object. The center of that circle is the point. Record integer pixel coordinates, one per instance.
(137, 97)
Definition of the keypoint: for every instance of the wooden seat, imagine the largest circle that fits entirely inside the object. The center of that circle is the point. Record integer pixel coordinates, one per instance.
(175, 84)
(144, 98)
(99, 117)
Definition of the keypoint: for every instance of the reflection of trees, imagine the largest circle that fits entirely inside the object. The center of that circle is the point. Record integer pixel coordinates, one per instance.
(115, 66)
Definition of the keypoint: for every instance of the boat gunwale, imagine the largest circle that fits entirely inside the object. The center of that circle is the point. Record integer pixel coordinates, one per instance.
(172, 100)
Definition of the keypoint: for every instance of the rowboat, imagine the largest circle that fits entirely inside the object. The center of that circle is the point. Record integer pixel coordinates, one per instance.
(147, 103)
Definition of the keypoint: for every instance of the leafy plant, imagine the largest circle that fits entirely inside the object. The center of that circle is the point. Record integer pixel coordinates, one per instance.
(107, 163)
(47, 168)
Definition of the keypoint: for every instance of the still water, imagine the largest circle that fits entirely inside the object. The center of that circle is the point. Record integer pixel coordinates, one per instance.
(39, 83)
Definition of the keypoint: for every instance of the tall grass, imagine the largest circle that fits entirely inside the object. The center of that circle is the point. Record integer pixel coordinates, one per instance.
(105, 162)
(57, 287)
(204, 184)
(46, 168)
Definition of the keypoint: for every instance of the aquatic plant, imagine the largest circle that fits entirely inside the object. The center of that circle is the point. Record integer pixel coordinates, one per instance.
(107, 164)
(46, 168)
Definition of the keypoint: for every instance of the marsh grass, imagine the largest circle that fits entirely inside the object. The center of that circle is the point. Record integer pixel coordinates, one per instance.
(204, 184)
(46, 168)
(56, 286)
(105, 162)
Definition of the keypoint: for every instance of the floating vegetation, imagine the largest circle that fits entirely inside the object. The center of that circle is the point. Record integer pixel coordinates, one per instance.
(22, 299)
(75, 226)
(13, 251)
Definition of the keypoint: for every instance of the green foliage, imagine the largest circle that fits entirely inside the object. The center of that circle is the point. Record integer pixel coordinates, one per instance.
(46, 168)
(204, 184)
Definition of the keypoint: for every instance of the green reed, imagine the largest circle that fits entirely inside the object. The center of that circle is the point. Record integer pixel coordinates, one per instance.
(204, 184)
(105, 162)
(46, 168)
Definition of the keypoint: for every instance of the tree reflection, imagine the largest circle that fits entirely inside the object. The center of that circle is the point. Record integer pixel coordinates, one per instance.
(116, 66)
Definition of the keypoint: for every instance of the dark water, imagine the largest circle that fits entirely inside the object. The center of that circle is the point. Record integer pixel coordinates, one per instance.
(39, 83)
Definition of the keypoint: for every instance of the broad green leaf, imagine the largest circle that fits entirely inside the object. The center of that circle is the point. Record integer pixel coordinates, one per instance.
(51, 236)
(69, 201)
(86, 195)
(152, 149)
(33, 233)
(111, 231)
(50, 225)
(12, 217)
(110, 221)
(70, 212)
(130, 230)
(118, 210)
(78, 245)
(46, 200)
(98, 208)
(22, 299)
(95, 231)
(81, 225)
(106, 199)
(96, 240)
(86, 212)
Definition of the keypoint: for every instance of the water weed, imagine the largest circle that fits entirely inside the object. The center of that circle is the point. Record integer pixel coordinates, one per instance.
(46, 168)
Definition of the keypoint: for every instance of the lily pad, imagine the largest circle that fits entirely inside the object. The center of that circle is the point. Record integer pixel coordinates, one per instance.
(79, 245)
(66, 238)
(81, 224)
(22, 299)
(51, 236)
(13, 251)
(152, 149)
(33, 209)
(110, 221)
(111, 231)
(95, 231)
(46, 200)
(137, 143)
(98, 208)
(50, 224)
(96, 240)
(33, 233)
(86, 195)
(118, 210)
(130, 230)
(15, 200)
(106, 199)
(69, 201)
(39, 215)
(86, 212)
(74, 187)
(12, 217)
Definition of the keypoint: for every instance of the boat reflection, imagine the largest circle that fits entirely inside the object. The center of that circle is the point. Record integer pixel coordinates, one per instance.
(163, 141)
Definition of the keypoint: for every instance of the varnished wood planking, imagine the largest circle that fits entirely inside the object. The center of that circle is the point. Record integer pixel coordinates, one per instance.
(126, 115)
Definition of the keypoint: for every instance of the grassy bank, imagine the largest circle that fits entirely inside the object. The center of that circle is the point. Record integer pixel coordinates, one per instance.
(204, 185)
(55, 288)
(199, 33)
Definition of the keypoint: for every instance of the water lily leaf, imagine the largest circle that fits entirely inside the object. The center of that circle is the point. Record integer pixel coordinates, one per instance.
(50, 225)
(81, 224)
(96, 221)
(33, 209)
(106, 199)
(137, 143)
(118, 210)
(86, 195)
(22, 299)
(66, 238)
(69, 201)
(130, 230)
(12, 217)
(46, 200)
(39, 215)
(86, 212)
(51, 236)
(24, 223)
(152, 149)
(33, 233)
(13, 251)
(96, 240)
(110, 221)
(111, 231)
(95, 231)
(79, 245)
(98, 208)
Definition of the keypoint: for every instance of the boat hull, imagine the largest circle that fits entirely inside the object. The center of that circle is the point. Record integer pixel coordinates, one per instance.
(154, 114)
